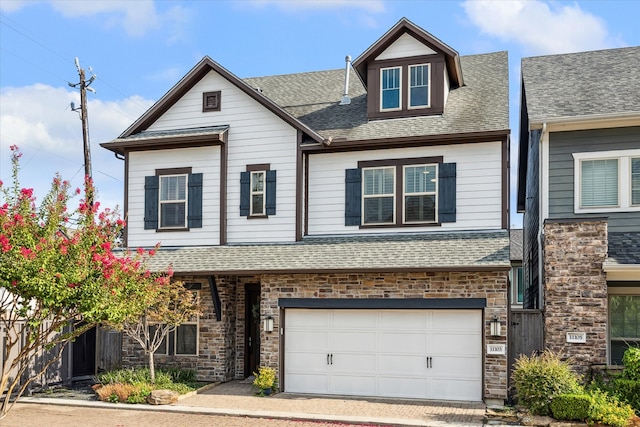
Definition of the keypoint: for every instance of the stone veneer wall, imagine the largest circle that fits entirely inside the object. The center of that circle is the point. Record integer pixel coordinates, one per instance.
(216, 347)
(489, 285)
(575, 289)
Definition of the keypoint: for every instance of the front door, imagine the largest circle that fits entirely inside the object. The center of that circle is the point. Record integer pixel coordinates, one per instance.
(252, 329)
(84, 354)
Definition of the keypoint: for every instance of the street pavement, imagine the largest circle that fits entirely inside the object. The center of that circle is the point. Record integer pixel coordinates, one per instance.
(234, 404)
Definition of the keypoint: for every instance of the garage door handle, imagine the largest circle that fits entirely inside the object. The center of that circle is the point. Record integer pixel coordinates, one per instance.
(327, 358)
(332, 358)
(429, 362)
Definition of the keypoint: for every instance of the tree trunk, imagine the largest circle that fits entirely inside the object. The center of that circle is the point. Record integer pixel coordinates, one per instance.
(152, 368)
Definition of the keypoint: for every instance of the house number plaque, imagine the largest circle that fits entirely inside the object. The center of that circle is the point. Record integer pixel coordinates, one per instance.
(577, 337)
(500, 349)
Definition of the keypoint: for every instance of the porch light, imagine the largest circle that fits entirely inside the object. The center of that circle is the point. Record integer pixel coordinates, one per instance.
(496, 327)
(267, 324)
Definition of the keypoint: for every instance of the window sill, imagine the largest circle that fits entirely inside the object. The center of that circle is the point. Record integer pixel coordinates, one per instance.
(257, 216)
(164, 230)
(411, 225)
(612, 209)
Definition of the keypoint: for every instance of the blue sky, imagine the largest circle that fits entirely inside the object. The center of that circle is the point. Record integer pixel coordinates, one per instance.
(140, 49)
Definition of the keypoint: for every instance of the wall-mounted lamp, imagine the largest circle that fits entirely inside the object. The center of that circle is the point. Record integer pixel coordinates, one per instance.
(267, 324)
(496, 327)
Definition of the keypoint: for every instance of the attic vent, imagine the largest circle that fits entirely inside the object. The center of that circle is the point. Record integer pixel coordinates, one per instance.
(345, 98)
(211, 101)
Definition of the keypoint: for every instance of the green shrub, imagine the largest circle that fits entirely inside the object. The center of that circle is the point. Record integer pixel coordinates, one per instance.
(570, 406)
(631, 362)
(606, 409)
(139, 395)
(538, 379)
(628, 391)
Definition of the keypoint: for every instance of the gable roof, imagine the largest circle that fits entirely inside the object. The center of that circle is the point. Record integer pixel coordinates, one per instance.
(404, 26)
(482, 105)
(190, 79)
(582, 84)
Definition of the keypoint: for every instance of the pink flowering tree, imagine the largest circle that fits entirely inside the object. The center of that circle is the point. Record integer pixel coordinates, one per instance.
(59, 277)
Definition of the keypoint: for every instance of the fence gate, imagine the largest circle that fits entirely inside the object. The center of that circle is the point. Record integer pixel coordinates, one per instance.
(525, 335)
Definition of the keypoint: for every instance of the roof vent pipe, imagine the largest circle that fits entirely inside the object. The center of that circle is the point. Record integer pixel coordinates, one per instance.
(345, 98)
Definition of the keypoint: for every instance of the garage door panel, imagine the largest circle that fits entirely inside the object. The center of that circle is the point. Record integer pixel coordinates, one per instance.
(459, 366)
(308, 341)
(402, 365)
(300, 362)
(358, 385)
(362, 363)
(403, 387)
(362, 342)
(455, 343)
(354, 319)
(307, 319)
(455, 389)
(403, 320)
(403, 342)
(308, 383)
(455, 320)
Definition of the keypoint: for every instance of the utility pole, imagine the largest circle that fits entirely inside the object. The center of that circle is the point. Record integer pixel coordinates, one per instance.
(84, 87)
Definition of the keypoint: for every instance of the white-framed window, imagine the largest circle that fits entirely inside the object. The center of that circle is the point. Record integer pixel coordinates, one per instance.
(607, 181)
(390, 89)
(258, 198)
(173, 201)
(517, 285)
(183, 340)
(419, 84)
(635, 181)
(624, 324)
(378, 192)
(420, 193)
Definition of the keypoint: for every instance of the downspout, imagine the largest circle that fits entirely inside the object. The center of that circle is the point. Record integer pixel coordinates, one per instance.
(541, 224)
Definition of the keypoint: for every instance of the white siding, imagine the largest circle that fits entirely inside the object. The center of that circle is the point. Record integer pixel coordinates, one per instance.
(205, 160)
(256, 136)
(405, 46)
(478, 186)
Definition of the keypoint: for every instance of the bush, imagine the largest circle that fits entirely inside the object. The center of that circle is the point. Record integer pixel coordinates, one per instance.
(631, 362)
(114, 392)
(265, 379)
(628, 391)
(538, 379)
(571, 406)
(606, 409)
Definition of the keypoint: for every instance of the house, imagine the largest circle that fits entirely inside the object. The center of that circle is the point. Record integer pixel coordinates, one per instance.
(579, 189)
(347, 227)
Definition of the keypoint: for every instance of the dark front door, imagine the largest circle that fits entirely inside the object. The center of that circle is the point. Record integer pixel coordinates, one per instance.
(252, 329)
(84, 354)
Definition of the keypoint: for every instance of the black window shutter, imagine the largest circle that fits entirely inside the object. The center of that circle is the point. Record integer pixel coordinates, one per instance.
(151, 190)
(353, 197)
(245, 193)
(447, 192)
(271, 193)
(194, 216)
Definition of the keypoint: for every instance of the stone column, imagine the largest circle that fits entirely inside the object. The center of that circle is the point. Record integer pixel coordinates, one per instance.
(575, 289)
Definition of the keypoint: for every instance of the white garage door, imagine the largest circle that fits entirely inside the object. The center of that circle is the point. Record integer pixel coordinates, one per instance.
(427, 354)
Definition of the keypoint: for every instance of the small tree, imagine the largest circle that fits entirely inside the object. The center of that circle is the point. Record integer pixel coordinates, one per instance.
(168, 307)
(59, 277)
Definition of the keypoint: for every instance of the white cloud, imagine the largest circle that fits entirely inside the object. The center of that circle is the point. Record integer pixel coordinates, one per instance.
(38, 119)
(374, 6)
(136, 17)
(540, 27)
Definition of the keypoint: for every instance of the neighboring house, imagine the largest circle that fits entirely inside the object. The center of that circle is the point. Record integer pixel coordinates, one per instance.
(355, 240)
(579, 189)
(516, 292)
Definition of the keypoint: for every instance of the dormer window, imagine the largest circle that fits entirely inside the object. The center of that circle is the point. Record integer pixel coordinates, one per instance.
(419, 86)
(391, 96)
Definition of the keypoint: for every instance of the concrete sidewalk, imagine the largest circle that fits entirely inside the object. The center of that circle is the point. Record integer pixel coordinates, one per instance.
(237, 398)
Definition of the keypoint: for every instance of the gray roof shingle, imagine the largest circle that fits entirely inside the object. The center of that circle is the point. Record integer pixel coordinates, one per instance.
(582, 84)
(481, 105)
(415, 252)
(624, 248)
